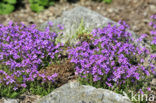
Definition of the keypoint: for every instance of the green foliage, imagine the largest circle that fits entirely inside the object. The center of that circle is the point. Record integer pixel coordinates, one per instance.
(41, 89)
(40, 5)
(153, 48)
(81, 28)
(107, 1)
(82, 32)
(8, 92)
(7, 6)
(10, 1)
(36, 7)
(35, 88)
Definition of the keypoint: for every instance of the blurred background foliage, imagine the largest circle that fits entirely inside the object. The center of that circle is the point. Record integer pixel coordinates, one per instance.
(8, 6)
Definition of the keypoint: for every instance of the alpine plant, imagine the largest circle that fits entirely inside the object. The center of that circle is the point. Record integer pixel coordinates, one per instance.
(153, 32)
(112, 59)
(24, 50)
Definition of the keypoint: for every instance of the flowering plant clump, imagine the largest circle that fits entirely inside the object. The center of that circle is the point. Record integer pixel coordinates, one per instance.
(24, 50)
(153, 43)
(112, 60)
(153, 32)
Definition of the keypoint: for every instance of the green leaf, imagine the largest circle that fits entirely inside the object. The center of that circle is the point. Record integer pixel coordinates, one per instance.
(30, 1)
(51, 3)
(43, 2)
(5, 90)
(107, 1)
(36, 7)
(6, 8)
(20, 79)
(153, 48)
(33, 1)
(14, 94)
(23, 90)
(10, 1)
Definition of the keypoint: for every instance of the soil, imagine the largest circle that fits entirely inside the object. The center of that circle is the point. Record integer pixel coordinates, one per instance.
(135, 13)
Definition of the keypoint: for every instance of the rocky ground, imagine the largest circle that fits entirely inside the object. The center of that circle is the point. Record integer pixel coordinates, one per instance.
(135, 13)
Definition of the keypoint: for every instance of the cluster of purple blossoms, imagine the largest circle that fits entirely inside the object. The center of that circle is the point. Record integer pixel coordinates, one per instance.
(111, 57)
(153, 32)
(23, 49)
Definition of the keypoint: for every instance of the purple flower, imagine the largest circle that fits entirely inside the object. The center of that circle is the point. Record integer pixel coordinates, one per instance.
(23, 49)
(148, 88)
(54, 75)
(61, 27)
(109, 84)
(24, 85)
(111, 56)
(15, 88)
(50, 23)
(96, 78)
(153, 32)
(141, 91)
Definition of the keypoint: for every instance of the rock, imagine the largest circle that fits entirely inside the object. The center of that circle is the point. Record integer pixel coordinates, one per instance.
(30, 19)
(10, 101)
(71, 20)
(153, 83)
(73, 92)
(152, 2)
(28, 98)
(153, 8)
(110, 10)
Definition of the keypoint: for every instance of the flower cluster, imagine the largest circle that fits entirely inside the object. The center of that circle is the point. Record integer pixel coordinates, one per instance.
(153, 33)
(111, 57)
(153, 43)
(23, 51)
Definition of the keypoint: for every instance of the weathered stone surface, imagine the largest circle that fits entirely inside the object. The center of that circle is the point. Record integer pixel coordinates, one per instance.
(71, 20)
(10, 101)
(153, 83)
(73, 92)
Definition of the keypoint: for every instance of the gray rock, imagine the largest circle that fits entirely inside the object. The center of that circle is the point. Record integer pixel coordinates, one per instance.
(153, 8)
(73, 92)
(153, 83)
(10, 101)
(71, 20)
